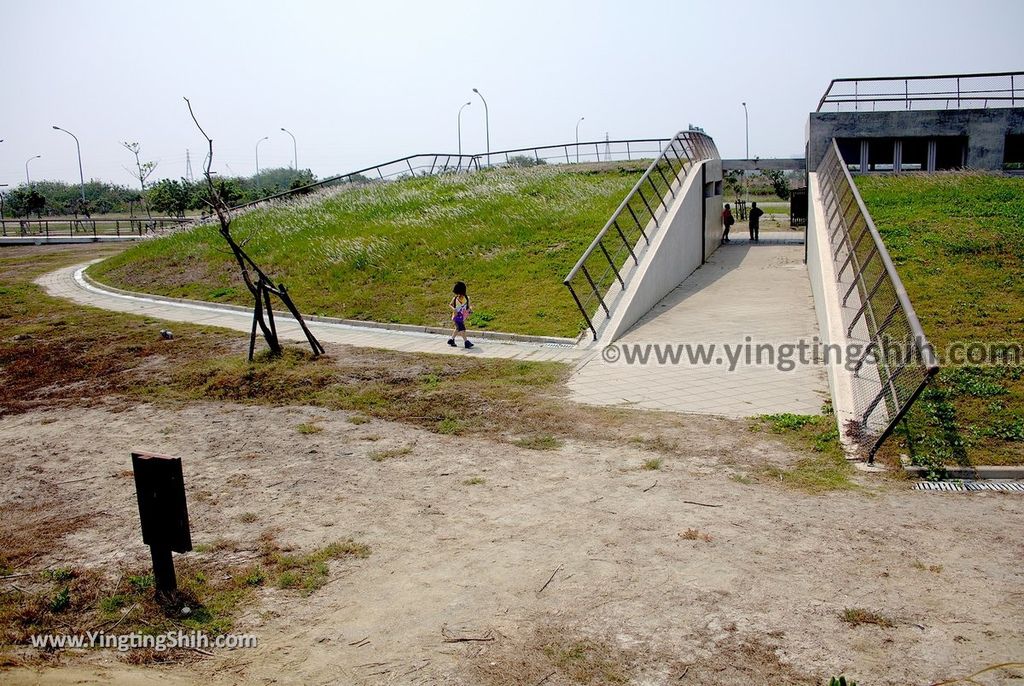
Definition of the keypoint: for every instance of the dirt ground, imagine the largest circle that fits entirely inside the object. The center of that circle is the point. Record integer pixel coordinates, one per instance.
(573, 565)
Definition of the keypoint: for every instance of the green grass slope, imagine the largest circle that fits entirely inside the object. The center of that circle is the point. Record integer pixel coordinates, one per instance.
(391, 252)
(958, 244)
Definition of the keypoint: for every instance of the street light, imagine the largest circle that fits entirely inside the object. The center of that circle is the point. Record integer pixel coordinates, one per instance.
(28, 180)
(578, 139)
(295, 149)
(81, 175)
(487, 125)
(258, 156)
(746, 128)
(746, 132)
(468, 103)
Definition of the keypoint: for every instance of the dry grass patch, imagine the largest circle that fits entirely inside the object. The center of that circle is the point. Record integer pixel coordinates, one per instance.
(562, 655)
(307, 428)
(213, 589)
(538, 442)
(381, 455)
(695, 535)
(856, 616)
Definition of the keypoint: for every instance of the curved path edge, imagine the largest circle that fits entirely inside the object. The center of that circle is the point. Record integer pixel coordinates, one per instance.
(71, 283)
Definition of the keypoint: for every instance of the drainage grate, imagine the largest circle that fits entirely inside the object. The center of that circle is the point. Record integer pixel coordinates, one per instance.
(1009, 486)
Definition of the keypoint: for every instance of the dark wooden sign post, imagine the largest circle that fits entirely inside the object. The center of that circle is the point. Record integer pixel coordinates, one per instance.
(160, 488)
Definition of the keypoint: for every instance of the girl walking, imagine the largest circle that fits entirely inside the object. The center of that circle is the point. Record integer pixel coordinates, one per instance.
(460, 310)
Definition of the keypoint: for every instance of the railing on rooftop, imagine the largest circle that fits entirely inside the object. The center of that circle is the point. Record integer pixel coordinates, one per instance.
(942, 92)
(896, 360)
(604, 262)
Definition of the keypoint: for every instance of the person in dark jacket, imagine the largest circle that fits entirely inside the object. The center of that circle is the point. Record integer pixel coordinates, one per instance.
(727, 221)
(755, 220)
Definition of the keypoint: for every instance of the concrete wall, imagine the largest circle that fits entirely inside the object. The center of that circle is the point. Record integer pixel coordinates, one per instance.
(986, 130)
(688, 233)
(828, 307)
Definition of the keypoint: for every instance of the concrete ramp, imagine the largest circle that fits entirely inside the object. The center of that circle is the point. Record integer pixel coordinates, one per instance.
(720, 342)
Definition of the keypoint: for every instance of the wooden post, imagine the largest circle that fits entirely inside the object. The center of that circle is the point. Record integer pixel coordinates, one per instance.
(160, 489)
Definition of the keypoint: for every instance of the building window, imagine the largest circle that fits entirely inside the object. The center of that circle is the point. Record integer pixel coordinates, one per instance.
(914, 154)
(849, 148)
(1013, 153)
(950, 152)
(881, 154)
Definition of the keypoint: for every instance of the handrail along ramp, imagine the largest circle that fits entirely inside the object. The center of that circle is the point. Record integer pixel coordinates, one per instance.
(897, 361)
(604, 261)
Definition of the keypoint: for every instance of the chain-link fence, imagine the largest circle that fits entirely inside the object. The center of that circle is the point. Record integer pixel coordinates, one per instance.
(896, 360)
(604, 262)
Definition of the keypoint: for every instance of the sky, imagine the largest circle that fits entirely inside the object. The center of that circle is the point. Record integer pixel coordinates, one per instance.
(363, 83)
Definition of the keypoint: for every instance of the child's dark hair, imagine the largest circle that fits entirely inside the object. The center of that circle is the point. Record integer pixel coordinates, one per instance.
(460, 288)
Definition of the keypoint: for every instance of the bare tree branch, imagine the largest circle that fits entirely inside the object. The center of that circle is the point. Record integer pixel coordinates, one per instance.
(264, 286)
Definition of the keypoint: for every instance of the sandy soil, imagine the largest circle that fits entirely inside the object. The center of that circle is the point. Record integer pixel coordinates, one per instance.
(757, 603)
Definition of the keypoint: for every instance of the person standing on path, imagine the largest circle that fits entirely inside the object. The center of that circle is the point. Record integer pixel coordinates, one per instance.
(755, 220)
(727, 221)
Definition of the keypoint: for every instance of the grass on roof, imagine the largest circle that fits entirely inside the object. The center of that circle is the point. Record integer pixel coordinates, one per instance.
(957, 240)
(391, 252)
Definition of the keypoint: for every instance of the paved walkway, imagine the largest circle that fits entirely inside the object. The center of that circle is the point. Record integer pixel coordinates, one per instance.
(69, 283)
(760, 291)
(745, 290)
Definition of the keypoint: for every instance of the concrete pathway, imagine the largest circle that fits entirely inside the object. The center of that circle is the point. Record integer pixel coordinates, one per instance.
(70, 284)
(746, 295)
(745, 290)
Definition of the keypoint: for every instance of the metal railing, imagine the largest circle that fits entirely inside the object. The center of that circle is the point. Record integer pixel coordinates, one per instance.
(941, 92)
(896, 361)
(84, 228)
(424, 164)
(428, 164)
(603, 263)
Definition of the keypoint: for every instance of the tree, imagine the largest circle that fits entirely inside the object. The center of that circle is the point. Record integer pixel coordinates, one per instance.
(524, 161)
(732, 179)
(264, 286)
(35, 203)
(170, 197)
(780, 184)
(143, 170)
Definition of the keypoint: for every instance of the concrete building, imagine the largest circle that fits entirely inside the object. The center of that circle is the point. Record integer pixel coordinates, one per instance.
(922, 123)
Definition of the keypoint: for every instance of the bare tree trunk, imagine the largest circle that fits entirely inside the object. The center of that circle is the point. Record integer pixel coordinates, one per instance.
(263, 286)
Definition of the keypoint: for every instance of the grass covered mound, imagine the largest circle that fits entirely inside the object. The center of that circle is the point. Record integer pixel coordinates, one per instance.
(391, 252)
(958, 243)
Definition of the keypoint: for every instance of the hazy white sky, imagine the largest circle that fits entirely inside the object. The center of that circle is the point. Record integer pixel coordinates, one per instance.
(363, 82)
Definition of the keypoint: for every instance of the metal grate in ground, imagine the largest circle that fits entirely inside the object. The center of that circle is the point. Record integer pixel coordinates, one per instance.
(963, 486)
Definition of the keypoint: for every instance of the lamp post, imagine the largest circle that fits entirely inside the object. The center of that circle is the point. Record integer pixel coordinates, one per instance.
(459, 123)
(258, 157)
(746, 128)
(578, 139)
(295, 149)
(487, 125)
(28, 180)
(746, 135)
(81, 175)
